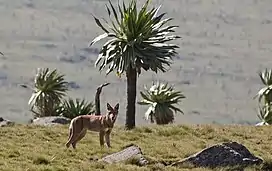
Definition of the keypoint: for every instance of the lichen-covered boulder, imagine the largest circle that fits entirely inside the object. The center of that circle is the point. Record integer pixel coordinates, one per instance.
(221, 155)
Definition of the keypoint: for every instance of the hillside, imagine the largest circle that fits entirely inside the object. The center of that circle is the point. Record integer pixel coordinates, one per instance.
(224, 44)
(36, 148)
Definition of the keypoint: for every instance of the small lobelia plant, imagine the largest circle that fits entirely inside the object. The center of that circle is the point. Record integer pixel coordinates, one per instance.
(161, 99)
(49, 89)
(71, 108)
(265, 98)
(265, 115)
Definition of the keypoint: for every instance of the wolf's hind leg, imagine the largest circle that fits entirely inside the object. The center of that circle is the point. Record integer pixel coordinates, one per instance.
(69, 138)
(75, 133)
(81, 135)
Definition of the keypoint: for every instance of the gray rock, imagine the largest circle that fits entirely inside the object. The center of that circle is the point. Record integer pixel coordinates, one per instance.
(51, 120)
(261, 124)
(4, 122)
(221, 155)
(131, 152)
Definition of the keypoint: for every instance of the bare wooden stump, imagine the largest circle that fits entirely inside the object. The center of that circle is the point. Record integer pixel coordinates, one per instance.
(131, 153)
(97, 98)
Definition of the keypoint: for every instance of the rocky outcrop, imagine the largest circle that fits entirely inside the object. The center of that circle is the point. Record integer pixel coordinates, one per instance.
(51, 120)
(231, 154)
(221, 155)
(4, 122)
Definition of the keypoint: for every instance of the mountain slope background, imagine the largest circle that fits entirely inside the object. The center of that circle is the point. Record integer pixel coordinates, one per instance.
(224, 44)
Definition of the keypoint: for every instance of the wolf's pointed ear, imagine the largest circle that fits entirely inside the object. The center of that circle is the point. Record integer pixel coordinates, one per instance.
(116, 106)
(109, 107)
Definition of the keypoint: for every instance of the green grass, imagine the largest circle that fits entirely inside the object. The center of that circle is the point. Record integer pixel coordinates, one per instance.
(37, 148)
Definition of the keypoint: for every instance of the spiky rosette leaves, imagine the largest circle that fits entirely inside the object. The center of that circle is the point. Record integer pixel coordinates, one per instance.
(137, 38)
(72, 108)
(49, 88)
(161, 99)
(265, 97)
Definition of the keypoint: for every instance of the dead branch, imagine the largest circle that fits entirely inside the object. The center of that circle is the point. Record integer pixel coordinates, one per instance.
(97, 98)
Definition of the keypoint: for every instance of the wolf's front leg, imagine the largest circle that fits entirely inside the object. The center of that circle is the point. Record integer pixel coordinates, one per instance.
(107, 137)
(101, 138)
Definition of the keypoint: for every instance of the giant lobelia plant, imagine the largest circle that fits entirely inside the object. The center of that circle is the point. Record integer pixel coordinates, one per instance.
(138, 39)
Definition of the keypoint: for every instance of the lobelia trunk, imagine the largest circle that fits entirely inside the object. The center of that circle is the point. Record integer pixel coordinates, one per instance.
(97, 98)
(131, 75)
(97, 103)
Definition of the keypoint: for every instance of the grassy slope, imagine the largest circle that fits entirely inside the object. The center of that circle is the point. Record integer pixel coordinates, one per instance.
(42, 148)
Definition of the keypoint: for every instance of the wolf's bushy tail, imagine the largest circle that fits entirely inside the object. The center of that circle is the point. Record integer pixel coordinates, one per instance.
(71, 132)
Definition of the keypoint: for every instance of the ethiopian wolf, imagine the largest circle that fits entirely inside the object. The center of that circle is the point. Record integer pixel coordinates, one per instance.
(101, 123)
